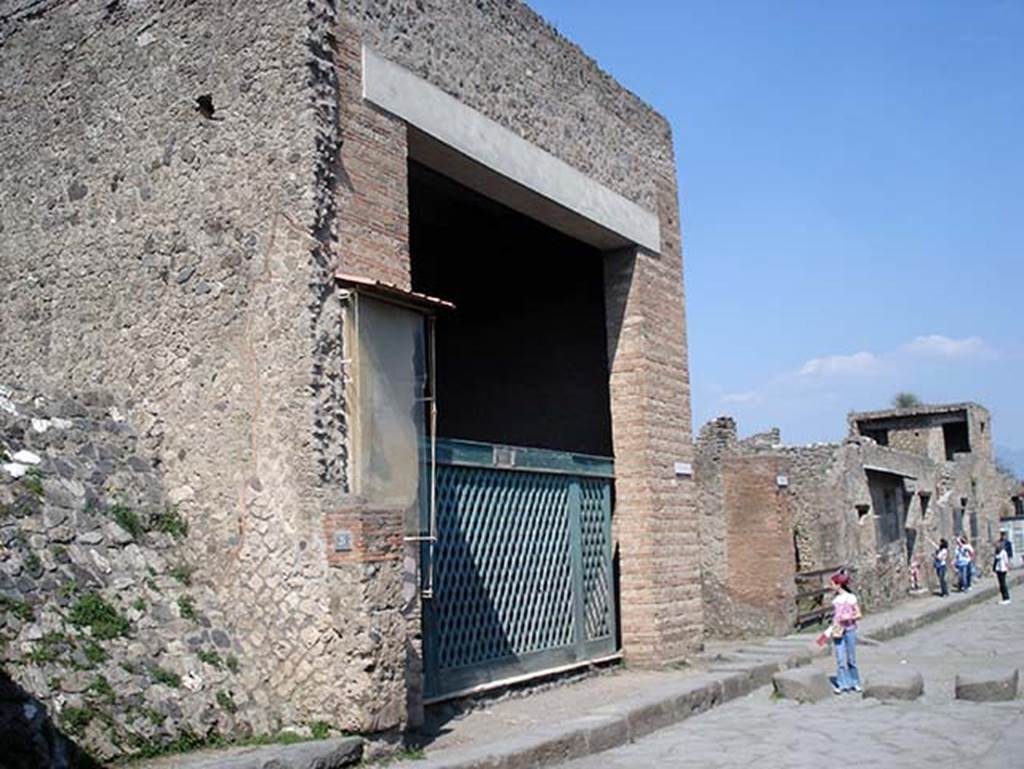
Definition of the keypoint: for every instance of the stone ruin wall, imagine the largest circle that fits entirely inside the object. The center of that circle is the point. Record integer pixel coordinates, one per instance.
(179, 263)
(107, 623)
(921, 438)
(176, 263)
(827, 486)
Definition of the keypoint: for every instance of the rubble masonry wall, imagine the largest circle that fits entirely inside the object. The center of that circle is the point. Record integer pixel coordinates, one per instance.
(179, 262)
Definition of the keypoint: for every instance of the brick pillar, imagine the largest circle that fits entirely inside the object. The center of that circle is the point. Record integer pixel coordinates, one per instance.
(759, 560)
(373, 193)
(655, 512)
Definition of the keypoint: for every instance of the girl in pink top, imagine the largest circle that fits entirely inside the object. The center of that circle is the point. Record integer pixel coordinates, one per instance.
(845, 613)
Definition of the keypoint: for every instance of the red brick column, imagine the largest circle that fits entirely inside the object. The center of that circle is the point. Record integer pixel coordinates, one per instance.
(655, 511)
(760, 560)
(373, 193)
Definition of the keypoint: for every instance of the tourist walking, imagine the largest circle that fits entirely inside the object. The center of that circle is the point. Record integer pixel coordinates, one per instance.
(963, 559)
(845, 613)
(1001, 565)
(941, 564)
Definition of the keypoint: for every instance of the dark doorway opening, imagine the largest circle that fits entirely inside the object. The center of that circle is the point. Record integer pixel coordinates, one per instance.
(523, 358)
(887, 498)
(955, 436)
(519, 517)
(881, 437)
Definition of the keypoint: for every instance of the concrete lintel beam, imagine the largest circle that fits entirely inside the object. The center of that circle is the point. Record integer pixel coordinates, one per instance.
(461, 142)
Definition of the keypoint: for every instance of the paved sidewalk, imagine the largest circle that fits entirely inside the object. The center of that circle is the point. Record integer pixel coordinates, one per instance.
(597, 713)
(934, 730)
(618, 707)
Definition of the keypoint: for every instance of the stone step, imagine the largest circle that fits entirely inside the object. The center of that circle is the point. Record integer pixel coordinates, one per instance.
(898, 684)
(802, 685)
(991, 685)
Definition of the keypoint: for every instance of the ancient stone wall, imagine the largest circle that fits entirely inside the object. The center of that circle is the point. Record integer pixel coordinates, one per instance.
(106, 619)
(835, 518)
(837, 523)
(924, 439)
(178, 183)
(178, 255)
(501, 58)
(947, 497)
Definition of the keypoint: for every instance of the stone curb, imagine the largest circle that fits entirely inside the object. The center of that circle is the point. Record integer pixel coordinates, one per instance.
(669, 703)
(316, 754)
(945, 609)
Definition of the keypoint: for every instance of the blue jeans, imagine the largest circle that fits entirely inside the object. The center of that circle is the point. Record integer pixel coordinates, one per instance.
(847, 675)
(940, 571)
(964, 573)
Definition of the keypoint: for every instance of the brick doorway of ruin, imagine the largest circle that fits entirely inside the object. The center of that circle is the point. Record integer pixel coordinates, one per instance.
(521, 369)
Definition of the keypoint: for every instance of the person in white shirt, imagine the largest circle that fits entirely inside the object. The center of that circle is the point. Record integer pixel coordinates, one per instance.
(941, 562)
(1001, 565)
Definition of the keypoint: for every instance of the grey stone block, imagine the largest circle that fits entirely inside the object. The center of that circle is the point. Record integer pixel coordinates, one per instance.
(602, 732)
(894, 685)
(322, 754)
(987, 685)
(546, 747)
(695, 695)
(802, 685)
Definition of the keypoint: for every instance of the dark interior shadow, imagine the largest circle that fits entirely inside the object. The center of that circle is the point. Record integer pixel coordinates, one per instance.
(522, 359)
(29, 739)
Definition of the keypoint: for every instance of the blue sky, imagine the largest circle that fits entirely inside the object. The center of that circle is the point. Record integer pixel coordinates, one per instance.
(852, 191)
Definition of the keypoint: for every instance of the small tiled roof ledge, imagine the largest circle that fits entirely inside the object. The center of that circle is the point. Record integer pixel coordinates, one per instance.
(914, 411)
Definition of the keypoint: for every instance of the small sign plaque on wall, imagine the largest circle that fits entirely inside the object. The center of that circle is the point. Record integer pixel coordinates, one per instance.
(342, 541)
(504, 456)
(684, 470)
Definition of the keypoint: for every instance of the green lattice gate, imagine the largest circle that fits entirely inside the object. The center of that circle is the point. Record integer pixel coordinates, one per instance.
(521, 573)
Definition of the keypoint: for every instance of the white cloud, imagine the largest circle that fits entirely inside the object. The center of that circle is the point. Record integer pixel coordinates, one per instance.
(857, 373)
(933, 346)
(938, 346)
(857, 363)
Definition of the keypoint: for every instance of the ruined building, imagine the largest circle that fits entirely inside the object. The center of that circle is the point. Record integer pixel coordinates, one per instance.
(876, 503)
(1013, 523)
(383, 302)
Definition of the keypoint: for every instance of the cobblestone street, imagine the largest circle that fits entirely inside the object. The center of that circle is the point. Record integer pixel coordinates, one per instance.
(936, 730)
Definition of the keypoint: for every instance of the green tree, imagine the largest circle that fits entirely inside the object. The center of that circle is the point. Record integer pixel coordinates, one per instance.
(906, 400)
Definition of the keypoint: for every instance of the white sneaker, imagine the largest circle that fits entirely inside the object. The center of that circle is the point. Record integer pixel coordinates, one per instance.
(1005, 602)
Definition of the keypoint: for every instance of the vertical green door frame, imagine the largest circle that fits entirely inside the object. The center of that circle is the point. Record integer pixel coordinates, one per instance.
(576, 551)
